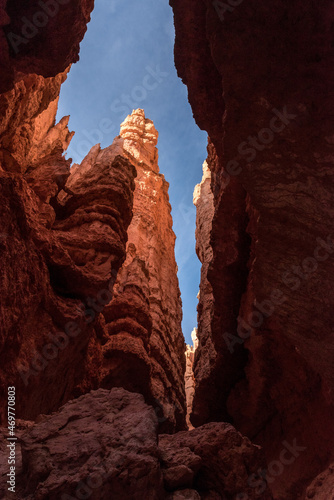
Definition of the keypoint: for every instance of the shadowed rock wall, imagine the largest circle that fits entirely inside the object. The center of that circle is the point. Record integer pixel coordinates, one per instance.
(259, 80)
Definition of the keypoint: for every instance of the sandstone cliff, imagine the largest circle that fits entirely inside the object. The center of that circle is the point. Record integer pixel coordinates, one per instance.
(259, 79)
(60, 253)
(143, 347)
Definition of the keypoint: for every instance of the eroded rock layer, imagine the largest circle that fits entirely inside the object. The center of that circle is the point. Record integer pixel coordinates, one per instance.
(57, 320)
(63, 239)
(259, 80)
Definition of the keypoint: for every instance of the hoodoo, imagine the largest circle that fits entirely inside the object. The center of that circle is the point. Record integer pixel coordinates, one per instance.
(145, 345)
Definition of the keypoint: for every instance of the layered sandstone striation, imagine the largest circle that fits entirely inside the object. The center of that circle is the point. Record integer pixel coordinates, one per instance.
(259, 80)
(124, 457)
(145, 346)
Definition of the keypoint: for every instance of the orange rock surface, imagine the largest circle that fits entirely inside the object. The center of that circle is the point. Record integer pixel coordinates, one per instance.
(144, 318)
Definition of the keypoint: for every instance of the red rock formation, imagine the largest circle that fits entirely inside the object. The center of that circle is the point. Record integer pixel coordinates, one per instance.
(28, 115)
(40, 37)
(121, 456)
(58, 248)
(215, 460)
(259, 79)
(143, 320)
(78, 242)
(59, 257)
(206, 355)
(322, 487)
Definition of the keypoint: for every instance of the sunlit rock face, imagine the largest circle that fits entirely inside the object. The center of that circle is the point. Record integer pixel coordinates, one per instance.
(189, 380)
(140, 139)
(259, 81)
(144, 347)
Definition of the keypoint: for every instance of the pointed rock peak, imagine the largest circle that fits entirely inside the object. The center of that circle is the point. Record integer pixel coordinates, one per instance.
(140, 139)
(194, 338)
(198, 187)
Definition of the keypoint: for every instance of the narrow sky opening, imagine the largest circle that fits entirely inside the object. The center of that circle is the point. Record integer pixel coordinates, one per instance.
(126, 62)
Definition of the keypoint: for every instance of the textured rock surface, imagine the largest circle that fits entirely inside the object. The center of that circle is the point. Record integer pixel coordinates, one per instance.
(322, 488)
(58, 267)
(40, 39)
(60, 250)
(206, 354)
(259, 78)
(143, 321)
(214, 459)
(101, 444)
(264, 95)
(105, 445)
(27, 132)
(76, 239)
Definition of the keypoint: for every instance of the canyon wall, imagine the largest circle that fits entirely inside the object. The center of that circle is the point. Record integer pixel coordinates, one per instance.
(90, 312)
(40, 38)
(259, 80)
(90, 305)
(63, 237)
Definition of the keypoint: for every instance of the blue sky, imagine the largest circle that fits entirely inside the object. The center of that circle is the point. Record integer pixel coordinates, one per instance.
(126, 62)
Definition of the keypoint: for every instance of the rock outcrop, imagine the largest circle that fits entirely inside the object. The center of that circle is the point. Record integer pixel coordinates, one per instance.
(264, 96)
(105, 445)
(216, 461)
(322, 487)
(144, 318)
